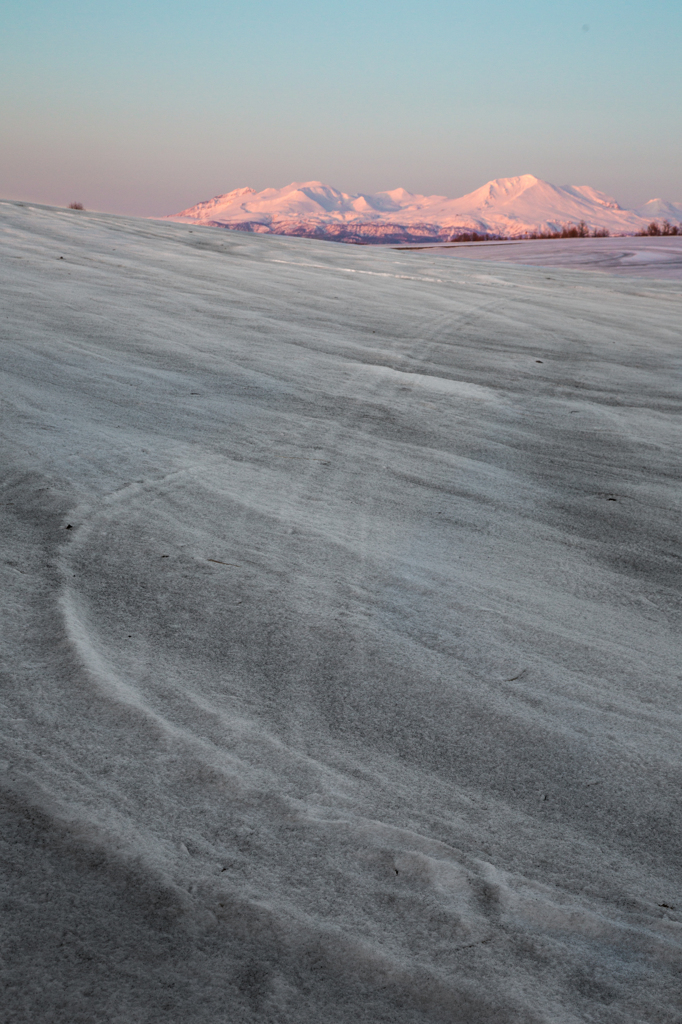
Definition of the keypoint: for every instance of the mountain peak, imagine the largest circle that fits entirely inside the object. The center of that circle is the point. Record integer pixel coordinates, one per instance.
(507, 207)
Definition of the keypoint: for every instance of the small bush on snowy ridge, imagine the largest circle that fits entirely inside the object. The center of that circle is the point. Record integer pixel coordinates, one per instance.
(76, 206)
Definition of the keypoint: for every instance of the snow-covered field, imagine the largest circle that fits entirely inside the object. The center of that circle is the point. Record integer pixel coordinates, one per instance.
(636, 257)
(340, 625)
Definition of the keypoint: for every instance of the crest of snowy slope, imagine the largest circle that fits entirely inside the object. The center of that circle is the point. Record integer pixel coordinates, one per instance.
(657, 209)
(506, 206)
(592, 195)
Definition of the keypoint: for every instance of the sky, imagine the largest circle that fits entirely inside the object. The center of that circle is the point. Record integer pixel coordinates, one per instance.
(149, 107)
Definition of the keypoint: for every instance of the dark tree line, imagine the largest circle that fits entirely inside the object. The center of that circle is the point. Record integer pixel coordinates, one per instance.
(579, 230)
(664, 228)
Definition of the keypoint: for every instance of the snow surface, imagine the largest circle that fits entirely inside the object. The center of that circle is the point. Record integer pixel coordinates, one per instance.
(661, 209)
(341, 659)
(649, 257)
(507, 206)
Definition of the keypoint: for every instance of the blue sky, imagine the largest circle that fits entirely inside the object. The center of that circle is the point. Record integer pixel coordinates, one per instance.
(149, 107)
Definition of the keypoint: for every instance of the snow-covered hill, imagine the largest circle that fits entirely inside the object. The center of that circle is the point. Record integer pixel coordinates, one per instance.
(657, 209)
(505, 206)
(395, 733)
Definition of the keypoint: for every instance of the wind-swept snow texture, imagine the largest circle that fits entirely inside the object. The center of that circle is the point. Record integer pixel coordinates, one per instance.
(506, 206)
(340, 608)
(646, 257)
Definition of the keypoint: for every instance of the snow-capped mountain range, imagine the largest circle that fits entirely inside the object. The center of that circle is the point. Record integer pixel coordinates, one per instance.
(509, 207)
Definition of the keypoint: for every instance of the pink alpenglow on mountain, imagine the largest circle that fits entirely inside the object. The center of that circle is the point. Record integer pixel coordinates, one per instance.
(509, 207)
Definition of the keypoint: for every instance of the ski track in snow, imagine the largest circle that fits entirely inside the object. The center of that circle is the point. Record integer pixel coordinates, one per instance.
(341, 658)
